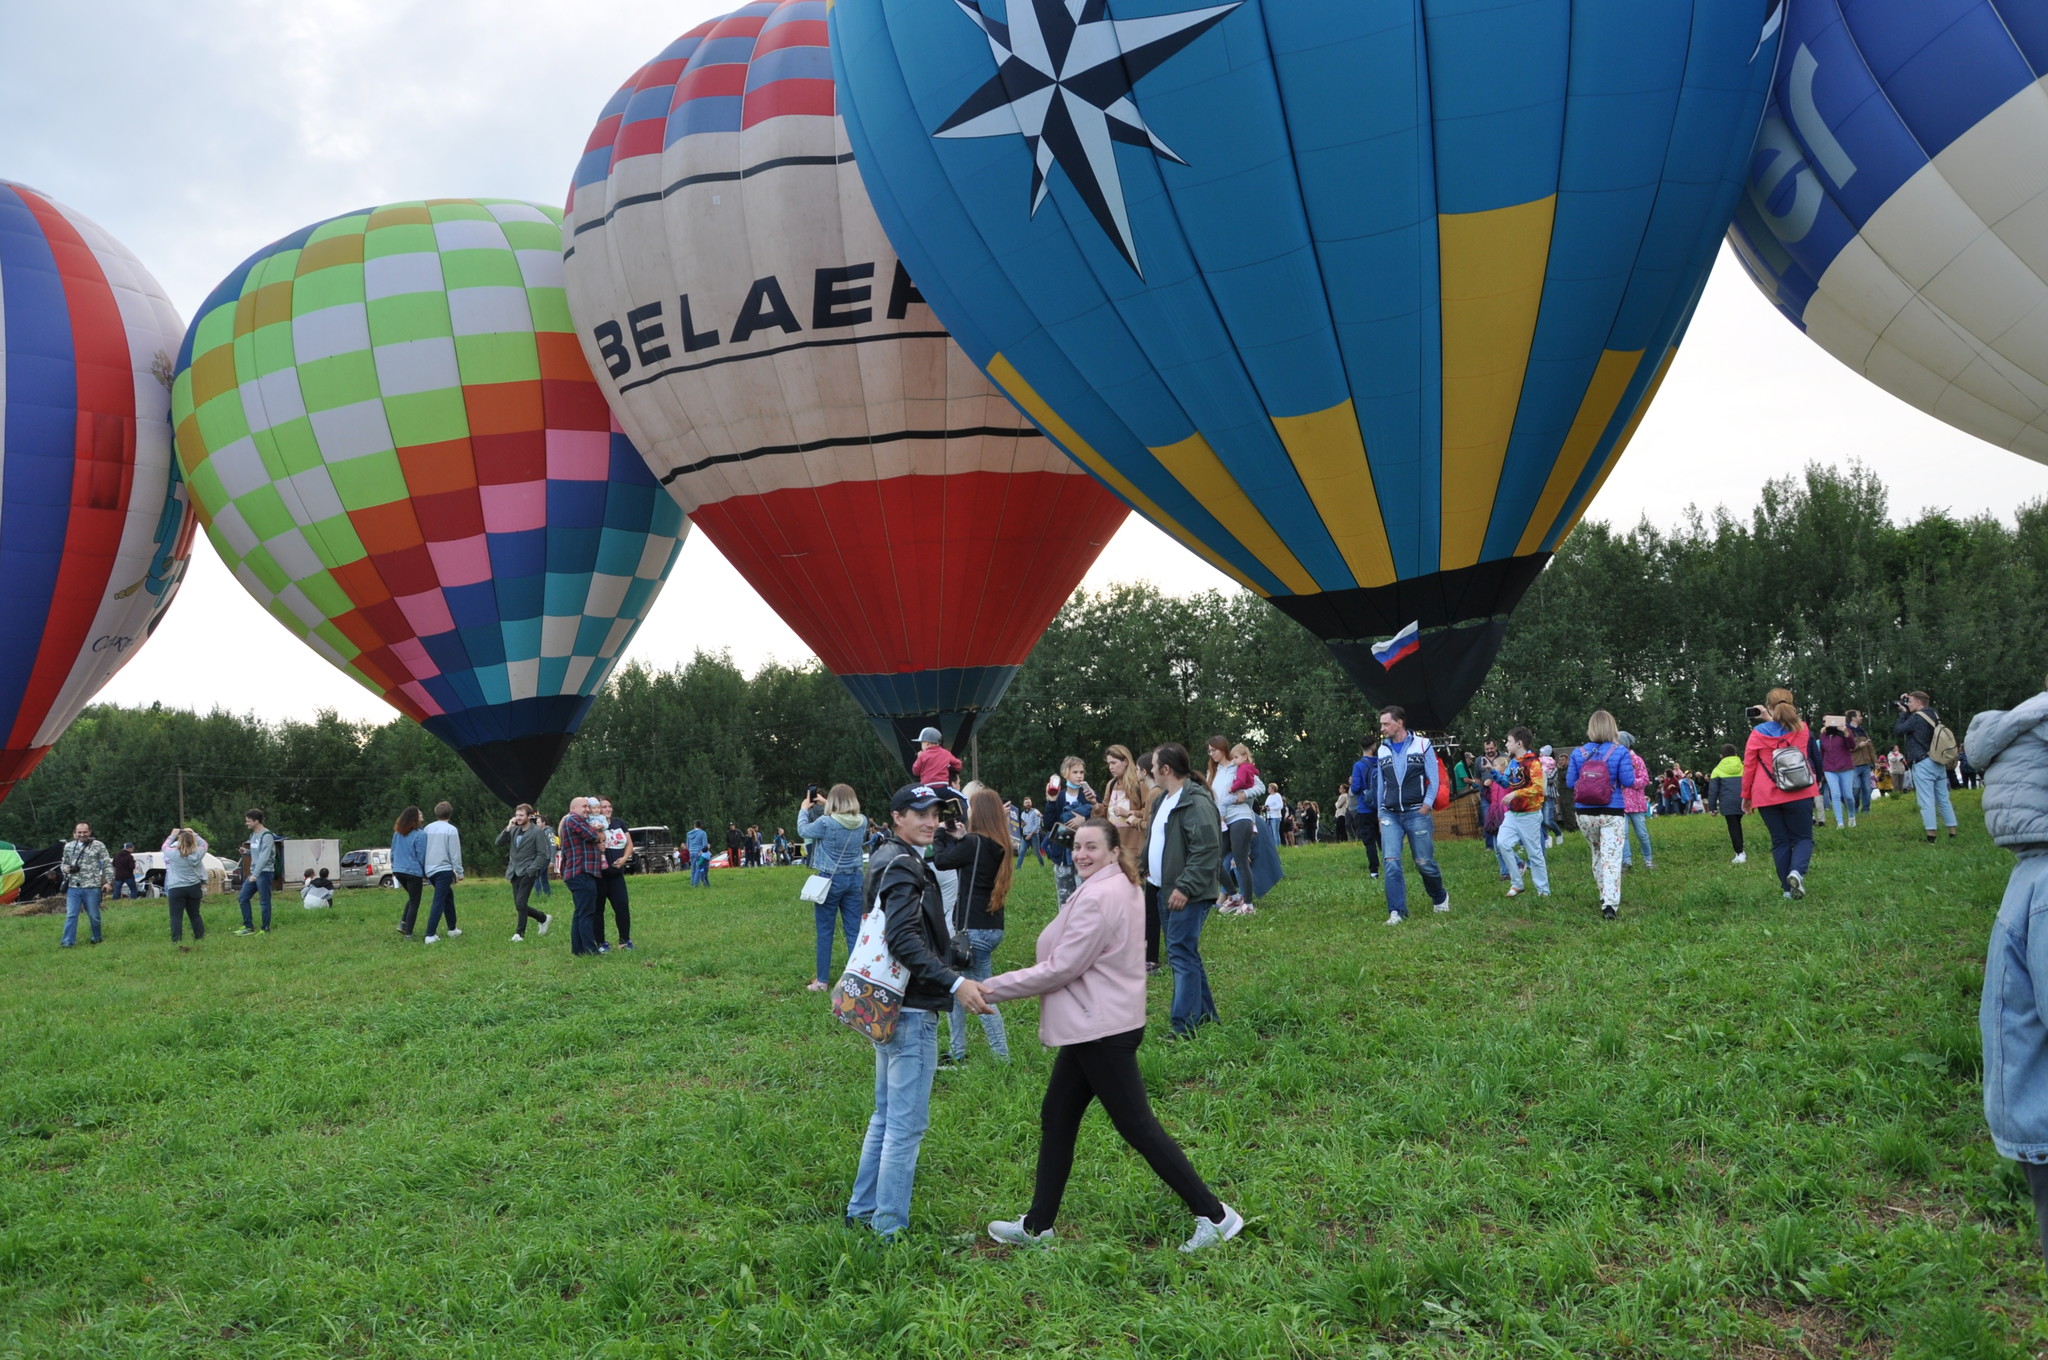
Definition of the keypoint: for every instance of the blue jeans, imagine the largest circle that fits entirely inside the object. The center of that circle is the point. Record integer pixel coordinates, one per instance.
(700, 871)
(1419, 827)
(1865, 774)
(1841, 794)
(1791, 828)
(125, 887)
(1930, 787)
(984, 943)
(841, 908)
(444, 900)
(1526, 830)
(1193, 1004)
(252, 886)
(583, 921)
(904, 1068)
(75, 901)
(1638, 829)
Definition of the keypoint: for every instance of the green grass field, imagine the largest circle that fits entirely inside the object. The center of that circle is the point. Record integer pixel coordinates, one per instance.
(1726, 1125)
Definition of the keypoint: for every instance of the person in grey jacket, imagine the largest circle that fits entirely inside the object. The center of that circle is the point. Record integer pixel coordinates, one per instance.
(1184, 861)
(185, 880)
(2012, 750)
(526, 860)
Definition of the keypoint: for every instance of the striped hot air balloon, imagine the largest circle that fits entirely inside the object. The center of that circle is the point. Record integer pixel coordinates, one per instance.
(770, 355)
(95, 524)
(1361, 301)
(397, 446)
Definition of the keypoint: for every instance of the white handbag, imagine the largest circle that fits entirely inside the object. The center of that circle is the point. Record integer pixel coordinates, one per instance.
(818, 886)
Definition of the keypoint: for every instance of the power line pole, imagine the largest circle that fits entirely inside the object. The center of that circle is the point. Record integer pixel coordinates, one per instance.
(181, 795)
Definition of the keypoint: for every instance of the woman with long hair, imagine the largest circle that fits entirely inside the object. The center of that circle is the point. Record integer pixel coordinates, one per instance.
(1148, 778)
(838, 832)
(409, 863)
(1235, 784)
(1091, 982)
(1778, 782)
(1123, 802)
(1598, 774)
(185, 880)
(981, 857)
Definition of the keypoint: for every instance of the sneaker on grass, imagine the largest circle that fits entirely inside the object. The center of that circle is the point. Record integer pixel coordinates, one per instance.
(1395, 918)
(453, 932)
(1795, 883)
(432, 939)
(1013, 1233)
(1444, 905)
(545, 922)
(1209, 1234)
(245, 930)
(519, 939)
(1609, 913)
(1742, 858)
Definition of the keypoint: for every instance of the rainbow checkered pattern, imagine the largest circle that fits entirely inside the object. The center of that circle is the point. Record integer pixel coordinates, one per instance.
(725, 75)
(396, 445)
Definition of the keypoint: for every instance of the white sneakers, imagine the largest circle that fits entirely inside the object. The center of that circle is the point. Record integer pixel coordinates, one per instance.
(1444, 905)
(1797, 881)
(519, 939)
(431, 939)
(1013, 1233)
(1395, 918)
(545, 922)
(1742, 858)
(453, 932)
(1208, 1234)
(1852, 819)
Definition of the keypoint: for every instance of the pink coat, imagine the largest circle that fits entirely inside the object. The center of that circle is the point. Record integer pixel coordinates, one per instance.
(1090, 972)
(1637, 799)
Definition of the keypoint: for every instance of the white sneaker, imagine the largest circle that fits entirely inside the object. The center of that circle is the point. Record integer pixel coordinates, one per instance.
(1444, 905)
(1798, 882)
(1742, 858)
(432, 939)
(453, 932)
(1395, 918)
(519, 939)
(1852, 821)
(1012, 1232)
(545, 922)
(1208, 1234)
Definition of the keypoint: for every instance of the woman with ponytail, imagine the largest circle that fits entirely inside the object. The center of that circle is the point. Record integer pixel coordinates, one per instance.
(1778, 782)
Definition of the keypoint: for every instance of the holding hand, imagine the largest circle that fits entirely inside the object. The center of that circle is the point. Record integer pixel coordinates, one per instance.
(970, 998)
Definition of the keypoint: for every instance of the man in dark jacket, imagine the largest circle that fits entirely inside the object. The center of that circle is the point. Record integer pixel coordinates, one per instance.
(529, 850)
(1365, 802)
(922, 945)
(1183, 858)
(1915, 731)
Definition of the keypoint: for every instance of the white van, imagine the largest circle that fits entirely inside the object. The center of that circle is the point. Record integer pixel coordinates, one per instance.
(366, 868)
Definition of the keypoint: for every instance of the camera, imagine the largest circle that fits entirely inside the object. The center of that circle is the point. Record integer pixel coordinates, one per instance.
(1757, 713)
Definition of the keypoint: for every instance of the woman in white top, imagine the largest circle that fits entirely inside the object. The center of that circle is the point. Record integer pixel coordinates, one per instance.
(1239, 809)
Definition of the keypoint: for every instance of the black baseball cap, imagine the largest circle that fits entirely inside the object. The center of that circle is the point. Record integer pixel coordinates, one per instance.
(921, 796)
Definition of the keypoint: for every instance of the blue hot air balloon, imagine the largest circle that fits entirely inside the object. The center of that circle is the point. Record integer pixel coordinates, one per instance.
(1898, 202)
(1358, 299)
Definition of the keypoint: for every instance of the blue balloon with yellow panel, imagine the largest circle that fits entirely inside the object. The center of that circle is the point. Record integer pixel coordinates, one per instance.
(1358, 299)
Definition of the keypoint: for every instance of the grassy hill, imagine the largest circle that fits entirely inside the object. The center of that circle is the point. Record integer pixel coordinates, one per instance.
(1726, 1125)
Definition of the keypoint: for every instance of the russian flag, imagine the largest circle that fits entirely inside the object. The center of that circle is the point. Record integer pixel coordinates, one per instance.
(1401, 645)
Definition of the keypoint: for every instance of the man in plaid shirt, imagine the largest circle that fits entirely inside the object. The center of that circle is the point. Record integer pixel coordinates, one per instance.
(582, 862)
(88, 872)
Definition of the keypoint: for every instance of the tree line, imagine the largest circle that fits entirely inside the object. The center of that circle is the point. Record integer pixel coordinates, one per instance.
(1676, 631)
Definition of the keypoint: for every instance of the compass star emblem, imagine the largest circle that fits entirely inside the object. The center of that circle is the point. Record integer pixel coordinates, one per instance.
(1064, 72)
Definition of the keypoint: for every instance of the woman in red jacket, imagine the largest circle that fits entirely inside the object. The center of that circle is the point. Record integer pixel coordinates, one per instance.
(1778, 783)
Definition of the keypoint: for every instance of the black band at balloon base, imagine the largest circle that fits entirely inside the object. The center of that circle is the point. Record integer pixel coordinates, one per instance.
(519, 768)
(1434, 683)
(956, 730)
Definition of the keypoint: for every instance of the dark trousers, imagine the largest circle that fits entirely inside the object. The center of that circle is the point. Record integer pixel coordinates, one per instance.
(522, 888)
(1239, 835)
(125, 887)
(444, 900)
(1791, 828)
(185, 903)
(411, 914)
(1106, 1070)
(1734, 820)
(1151, 925)
(583, 926)
(1366, 826)
(611, 887)
(2037, 1181)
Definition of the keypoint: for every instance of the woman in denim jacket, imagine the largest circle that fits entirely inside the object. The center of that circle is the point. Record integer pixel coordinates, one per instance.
(2012, 750)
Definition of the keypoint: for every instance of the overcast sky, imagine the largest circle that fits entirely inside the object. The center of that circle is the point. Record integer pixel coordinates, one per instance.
(198, 132)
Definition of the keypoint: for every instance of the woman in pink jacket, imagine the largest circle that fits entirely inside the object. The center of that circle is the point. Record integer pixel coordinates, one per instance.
(1090, 975)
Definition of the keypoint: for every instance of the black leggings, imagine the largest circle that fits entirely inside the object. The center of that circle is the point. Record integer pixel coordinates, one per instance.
(1151, 924)
(611, 887)
(522, 888)
(1107, 1070)
(411, 883)
(185, 903)
(1368, 828)
(1734, 821)
(1242, 833)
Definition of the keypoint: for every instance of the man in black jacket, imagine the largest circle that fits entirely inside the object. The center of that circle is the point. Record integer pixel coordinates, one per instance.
(922, 945)
(1915, 731)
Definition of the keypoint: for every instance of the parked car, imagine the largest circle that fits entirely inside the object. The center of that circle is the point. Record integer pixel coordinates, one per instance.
(654, 850)
(365, 869)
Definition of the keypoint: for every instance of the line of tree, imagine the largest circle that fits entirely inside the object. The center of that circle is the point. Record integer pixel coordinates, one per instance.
(1676, 631)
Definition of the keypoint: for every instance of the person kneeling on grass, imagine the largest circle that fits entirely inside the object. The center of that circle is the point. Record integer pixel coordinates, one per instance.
(2012, 750)
(1090, 976)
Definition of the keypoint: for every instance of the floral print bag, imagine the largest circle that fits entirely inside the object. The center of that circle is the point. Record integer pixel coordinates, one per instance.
(869, 997)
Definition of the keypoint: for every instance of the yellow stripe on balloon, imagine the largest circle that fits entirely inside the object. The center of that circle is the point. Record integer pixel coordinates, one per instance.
(1195, 466)
(1328, 452)
(1596, 412)
(1621, 444)
(1006, 376)
(1490, 275)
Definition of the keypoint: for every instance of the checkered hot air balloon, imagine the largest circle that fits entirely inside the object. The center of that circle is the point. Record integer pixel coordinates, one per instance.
(95, 524)
(395, 443)
(768, 352)
(1360, 301)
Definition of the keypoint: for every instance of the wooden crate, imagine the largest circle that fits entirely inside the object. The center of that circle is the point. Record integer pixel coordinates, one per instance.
(1461, 820)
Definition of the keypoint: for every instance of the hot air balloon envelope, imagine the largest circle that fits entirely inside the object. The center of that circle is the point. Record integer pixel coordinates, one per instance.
(1897, 209)
(776, 363)
(95, 524)
(1358, 301)
(397, 446)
